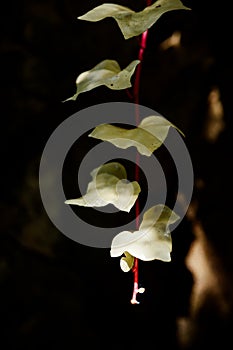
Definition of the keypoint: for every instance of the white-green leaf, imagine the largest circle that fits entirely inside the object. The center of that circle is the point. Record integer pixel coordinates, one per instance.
(108, 73)
(109, 185)
(147, 137)
(152, 240)
(133, 23)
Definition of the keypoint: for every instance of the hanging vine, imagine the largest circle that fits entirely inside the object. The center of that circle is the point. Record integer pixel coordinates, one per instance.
(151, 238)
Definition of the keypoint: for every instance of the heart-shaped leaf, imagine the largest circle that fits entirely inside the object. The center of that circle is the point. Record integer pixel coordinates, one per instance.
(133, 23)
(109, 185)
(147, 137)
(108, 73)
(152, 240)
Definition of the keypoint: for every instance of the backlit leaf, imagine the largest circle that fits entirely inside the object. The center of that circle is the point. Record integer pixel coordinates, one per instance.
(152, 240)
(133, 23)
(108, 73)
(109, 185)
(147, 137)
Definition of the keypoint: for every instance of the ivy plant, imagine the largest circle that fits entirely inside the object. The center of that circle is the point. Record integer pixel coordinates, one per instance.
(152, 238)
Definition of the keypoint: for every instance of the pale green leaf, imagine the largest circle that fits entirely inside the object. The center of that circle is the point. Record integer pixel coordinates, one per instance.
(108, 73)
(109, 185)
(133, 23)
(152, 240)
(147, 137)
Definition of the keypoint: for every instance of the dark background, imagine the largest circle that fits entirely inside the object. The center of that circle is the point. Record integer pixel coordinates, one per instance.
(54, 291)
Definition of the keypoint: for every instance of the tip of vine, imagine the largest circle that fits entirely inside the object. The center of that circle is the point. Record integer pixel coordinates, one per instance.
(134, 301)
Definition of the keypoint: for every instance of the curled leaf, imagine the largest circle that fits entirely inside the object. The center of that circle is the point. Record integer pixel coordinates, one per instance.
(152, 240)
(133, 23)
(147, 137)
(127, 262)
(108, 73)
(109, 185)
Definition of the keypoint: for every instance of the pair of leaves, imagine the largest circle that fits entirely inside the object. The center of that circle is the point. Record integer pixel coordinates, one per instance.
(109, 183)
(131, 23)
(153, 239)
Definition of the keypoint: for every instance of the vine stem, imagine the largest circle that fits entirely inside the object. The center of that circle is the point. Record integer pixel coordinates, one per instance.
(136, 91)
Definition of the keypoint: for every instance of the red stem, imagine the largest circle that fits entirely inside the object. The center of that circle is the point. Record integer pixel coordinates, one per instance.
(136, 90)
